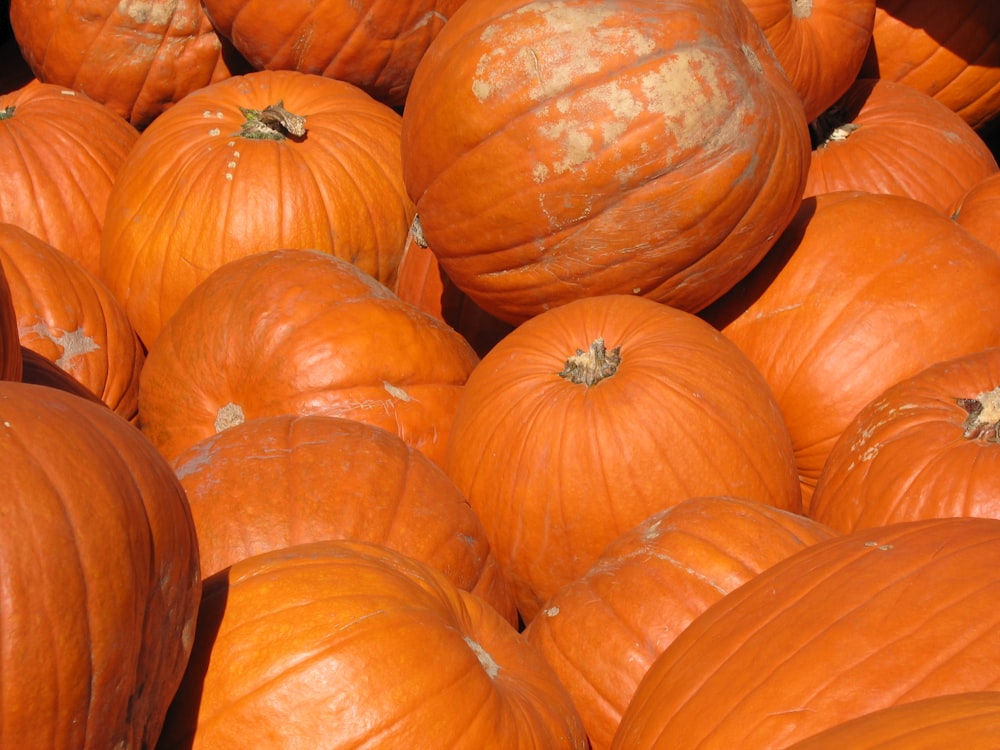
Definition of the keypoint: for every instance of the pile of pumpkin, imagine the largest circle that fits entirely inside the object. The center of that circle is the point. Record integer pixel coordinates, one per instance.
(500, 374)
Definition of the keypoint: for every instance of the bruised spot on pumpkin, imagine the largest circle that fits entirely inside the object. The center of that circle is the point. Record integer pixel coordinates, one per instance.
(487, 661)
(228, 416)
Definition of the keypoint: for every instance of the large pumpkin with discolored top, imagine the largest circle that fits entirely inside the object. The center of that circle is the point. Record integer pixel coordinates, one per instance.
(301, 332)
(341, 645)
(571, 148)
(589, 418)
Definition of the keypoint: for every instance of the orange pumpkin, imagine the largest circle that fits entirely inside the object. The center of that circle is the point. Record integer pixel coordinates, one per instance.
(10, 343)
(100, 575)
(978, 211)
(925, 448)
(277, 481)
(886, 137)
(61, 153)
(39, 370)
(601, 632)
(557, 150)
(301, 332)
(592, 416)
(220, 176)
(862, 291)
(65, 313)
(845, 627)
(339, 645)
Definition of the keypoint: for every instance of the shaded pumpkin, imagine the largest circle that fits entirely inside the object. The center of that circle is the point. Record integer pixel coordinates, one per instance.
(821, 44)
(601, 632)
(924, 448)
(100, 575)
(10, 344)
(591, 417)
(833, 632)
(978, 211)
(950, 51)
(373, 44)
(556, 150)
(301, 332)
(137, 58)
(67, 314)
(343, 644)
(274, 482)
(862, 291)
(887, 137)
(228, 172)
(39, 370)
(966, 720)
(61, 153)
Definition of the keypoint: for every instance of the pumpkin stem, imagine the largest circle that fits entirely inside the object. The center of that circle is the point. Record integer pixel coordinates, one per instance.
(802, 8)
(7, 112)
(273, 123)
(830, 127)
(983, 420)
(592, 366)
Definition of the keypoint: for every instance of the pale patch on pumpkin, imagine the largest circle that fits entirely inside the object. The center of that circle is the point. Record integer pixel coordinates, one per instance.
(148, 12)
(396, 392)
(72, 343)
(489, 665)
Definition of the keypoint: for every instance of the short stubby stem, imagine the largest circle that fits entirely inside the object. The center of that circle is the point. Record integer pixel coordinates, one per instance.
(589, 367)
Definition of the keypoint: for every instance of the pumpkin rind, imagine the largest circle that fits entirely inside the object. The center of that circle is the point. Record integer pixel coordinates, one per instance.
(571, 148)
(601, 632)
(848, 626)
(100, 575)
(345, 644)
(195, 193)
(10, 343)
(978, 211)
(557, 469)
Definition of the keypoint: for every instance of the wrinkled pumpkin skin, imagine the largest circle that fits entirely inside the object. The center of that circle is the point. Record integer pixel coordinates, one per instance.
(570, 149)
(101, 581)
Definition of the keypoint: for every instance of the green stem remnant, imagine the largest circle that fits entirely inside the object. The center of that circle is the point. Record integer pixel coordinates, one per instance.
(7, 112)
(983, 420)
(273, 123)
(592, 366)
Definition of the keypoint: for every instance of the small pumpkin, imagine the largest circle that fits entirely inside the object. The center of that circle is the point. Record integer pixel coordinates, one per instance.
(924, 448)
(847, 626)
(343, 644)
(100, 575)
(301, 332)
(273, 482)
(267, 160)
(590, 417)
(601, 632)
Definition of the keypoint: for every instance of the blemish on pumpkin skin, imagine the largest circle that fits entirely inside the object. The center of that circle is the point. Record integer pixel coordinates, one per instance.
(489, 665)
(73, 344)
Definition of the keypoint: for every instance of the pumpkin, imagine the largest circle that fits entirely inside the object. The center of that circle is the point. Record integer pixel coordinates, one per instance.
(421, 282)
(861, 291)
(922, 449)
(847, 626)
(301, 332)
(273, 482)
(821, 44)
(887, 137)
(331, 182)
(978, 211)
(61, 153)
(100, 575)
(949, 51)
(10, 344)
(966, 720)
(601, 632)
(374, 44)
(66, 313)
(594, 415)
(343, 644)
(40, 370)
(138, 57)
(571, 148)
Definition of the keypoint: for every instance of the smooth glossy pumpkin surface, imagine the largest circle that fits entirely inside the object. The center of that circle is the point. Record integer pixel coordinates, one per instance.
(846, 627)
(978, 211)
(927, 447)
(862, 291)
(277, 481)
(301, 332)
(557, 150)
(601, 632)
(208, 183)
(67, 314)
(887, 137)
(61, 153)
(589, 418)
(100, 576)
(373, 44)
(345, 644)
